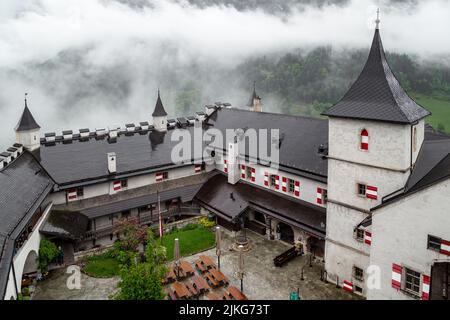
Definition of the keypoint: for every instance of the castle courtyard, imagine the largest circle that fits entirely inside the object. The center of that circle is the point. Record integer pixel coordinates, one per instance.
(262, 279)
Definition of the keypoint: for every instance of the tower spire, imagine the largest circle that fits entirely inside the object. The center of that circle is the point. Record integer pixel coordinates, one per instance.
(377, 22)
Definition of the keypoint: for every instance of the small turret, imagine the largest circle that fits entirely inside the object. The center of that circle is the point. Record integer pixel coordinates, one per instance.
(255, 101)
(159, 116)
(27, 130)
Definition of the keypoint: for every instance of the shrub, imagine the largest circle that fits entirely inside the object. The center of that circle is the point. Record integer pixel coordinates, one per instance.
(47, 252)
(207, 223)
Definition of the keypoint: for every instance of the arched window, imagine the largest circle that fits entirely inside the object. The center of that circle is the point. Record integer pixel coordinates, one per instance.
(364, 139)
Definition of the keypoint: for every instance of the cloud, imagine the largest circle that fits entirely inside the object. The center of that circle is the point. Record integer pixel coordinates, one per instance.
(99, 62)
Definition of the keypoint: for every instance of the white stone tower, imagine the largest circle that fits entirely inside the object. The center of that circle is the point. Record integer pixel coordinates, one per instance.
(159, 116)
(27, 130)
(375, 134)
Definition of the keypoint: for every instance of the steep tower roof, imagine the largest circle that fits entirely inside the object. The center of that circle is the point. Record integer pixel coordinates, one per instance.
(159, 108)
(377, 94)
(27, 121)
(253, 96)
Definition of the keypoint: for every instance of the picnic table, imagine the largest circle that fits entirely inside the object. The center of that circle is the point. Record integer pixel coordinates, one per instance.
(207, 261)
(213, 296)
(213, 282)
(180, 290)
(170, 276)
(235, 293)
(200, 284)
(219, 276)
(187, 268)
(199, 265)
(171, 294)
(194, 292)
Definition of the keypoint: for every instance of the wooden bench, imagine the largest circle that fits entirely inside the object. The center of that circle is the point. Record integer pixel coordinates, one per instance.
(192, 289)
(212, 281)
(171, 294)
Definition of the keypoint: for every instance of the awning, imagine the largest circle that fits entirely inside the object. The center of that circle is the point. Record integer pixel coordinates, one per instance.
(230, 201)
(186, 194)
(69, 225)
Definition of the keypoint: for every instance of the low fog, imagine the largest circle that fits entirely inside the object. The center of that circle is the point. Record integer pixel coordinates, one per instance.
(95, 63)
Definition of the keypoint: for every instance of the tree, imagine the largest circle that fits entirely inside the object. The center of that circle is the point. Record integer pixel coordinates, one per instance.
(131, 236)
(142, 280)
(47, 252)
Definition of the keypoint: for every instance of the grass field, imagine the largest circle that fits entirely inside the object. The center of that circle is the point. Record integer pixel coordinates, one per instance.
(102, 266)
(440, 109)
(191, 241)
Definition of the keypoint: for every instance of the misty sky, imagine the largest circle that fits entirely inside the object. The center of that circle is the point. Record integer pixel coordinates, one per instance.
(94, 63)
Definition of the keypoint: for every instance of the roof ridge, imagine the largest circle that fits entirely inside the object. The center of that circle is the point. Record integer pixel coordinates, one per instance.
(276, 114)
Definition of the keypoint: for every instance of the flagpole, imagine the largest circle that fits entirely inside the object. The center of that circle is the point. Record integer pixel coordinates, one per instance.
(161, 230)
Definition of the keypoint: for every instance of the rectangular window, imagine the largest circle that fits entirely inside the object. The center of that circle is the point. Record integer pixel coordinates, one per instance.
(126, 213)
(248, 173)
(361, 190)
(412, 281)
(165, 175)
(358, 290)
(144, 209)
(124, 183)
(291, 185)
(324, 196)
(359, 235)
(80, 192)
(434, 243)
(273, 179)
(358, 273)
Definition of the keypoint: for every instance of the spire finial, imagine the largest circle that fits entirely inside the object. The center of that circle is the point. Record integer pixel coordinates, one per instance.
(377, 22)
(26, 94)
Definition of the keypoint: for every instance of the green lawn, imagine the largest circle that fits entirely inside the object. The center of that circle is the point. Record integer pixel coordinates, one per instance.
(102, 266)
(191, 241)
(440, 109)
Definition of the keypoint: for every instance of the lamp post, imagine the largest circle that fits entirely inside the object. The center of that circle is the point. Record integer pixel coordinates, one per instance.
(218, 245)
(176, 256)
(241, 267)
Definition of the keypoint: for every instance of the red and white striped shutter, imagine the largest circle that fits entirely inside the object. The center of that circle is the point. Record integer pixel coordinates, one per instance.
(277, 182)
(72, 195)
(159, 176)
(198, 168)
(117, 186)
(445, 247)
(372, 192)
(243, 171)
(297, 189)
(396, 276)
(364, 140)
(319, 199)
(253, 174)
(425, 287)
(368, 237)
(284, 184)
(348, 286)
(225, 165)
(266, 179)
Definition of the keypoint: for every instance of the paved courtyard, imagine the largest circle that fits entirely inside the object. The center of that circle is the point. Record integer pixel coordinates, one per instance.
(262, 279)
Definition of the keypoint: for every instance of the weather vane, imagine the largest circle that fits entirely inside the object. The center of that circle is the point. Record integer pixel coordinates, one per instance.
(378, 19)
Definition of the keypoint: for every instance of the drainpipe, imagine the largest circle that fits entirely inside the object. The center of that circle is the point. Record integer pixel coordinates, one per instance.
(14, 279)
(411, 154)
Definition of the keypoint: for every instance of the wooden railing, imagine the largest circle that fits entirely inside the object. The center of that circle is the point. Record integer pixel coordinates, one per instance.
(145, 218)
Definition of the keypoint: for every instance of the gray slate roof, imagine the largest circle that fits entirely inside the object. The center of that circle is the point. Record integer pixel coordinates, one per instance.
(186, 194)
(216, 194)
(26, 121)
(84, 161)
(70, 225)
(377, 94)
(301, 137)
(159, 108)
(24, 186)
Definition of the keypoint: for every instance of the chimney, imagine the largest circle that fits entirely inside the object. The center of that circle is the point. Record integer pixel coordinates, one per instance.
(67, 134)
(113, 132)
(6, 157)
(112, 159)
(200, 115)
(84, 133)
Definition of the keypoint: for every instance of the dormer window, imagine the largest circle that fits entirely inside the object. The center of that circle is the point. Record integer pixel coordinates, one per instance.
(364, 143)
